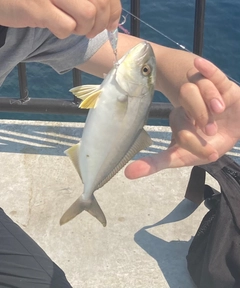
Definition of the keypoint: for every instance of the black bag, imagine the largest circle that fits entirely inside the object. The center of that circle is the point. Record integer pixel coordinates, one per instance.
(214, 255)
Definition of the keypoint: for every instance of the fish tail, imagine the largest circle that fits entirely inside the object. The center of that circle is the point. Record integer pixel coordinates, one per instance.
(90, 205)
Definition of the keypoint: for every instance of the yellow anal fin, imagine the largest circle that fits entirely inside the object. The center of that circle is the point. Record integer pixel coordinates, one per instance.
(73, 154)
(88, 93)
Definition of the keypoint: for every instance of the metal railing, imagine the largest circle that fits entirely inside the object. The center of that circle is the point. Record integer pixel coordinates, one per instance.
(26, 104)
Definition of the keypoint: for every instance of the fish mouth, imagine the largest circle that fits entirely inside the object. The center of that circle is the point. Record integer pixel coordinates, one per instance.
(145, 51)
(142, 48)
(138, 53)
(146, 46)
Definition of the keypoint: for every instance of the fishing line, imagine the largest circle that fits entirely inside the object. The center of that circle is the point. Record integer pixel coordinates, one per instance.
(164, 35)
(156, 30)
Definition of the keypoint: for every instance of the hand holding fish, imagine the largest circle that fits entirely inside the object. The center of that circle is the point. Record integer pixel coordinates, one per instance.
(203, 129)
(62, 18)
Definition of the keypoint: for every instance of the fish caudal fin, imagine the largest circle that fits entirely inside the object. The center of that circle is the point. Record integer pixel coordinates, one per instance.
(80, 205)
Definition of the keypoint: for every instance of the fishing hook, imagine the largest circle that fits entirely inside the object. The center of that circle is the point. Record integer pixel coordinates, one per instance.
(124, 20)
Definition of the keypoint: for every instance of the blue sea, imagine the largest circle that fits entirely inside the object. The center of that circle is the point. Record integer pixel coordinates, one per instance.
(173, 18)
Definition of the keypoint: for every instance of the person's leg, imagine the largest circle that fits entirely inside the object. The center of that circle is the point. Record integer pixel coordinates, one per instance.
(40, 45)
(23, 264)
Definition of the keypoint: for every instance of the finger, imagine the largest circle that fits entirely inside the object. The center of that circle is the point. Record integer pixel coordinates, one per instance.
(101, 18)
(115, 14)
(187, 136)
(57, 21)
(207, 91)
(194, 151)
(83, 13)
(150, 165)
(108, 15)
(173, 157)
(214, 74)
(193, 103)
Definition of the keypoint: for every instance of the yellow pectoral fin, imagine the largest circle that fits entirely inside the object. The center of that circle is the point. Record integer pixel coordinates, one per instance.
(88, 93)
(91, 100)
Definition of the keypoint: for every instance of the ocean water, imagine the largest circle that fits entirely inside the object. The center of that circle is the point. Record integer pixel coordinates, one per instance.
(173, 18)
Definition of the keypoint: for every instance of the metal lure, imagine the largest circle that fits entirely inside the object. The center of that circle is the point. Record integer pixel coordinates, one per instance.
(113, 39)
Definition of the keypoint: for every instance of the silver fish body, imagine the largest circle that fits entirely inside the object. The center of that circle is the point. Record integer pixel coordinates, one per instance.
(113, 132)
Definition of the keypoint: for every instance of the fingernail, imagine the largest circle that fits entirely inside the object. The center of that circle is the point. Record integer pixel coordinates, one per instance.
(210, 129)
(216, 105)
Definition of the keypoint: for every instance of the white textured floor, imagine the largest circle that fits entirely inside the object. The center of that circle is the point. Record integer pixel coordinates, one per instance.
(150, 225)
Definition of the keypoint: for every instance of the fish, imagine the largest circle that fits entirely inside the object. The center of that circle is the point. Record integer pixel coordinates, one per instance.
(114, 129)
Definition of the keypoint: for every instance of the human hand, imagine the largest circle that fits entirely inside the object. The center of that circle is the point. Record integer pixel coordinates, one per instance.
(203, 130)
(62, 18)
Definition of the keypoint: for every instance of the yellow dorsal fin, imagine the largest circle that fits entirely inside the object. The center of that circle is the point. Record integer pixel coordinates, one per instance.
(88, 93)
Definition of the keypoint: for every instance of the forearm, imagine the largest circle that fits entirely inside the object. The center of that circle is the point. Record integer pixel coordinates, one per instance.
(172, 68)
(172, 64)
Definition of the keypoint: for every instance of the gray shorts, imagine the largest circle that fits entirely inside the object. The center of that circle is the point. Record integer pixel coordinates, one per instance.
(23, 264)
(40, 45)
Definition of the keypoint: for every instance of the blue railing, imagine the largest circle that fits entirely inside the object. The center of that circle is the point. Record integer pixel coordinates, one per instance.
(25, 104)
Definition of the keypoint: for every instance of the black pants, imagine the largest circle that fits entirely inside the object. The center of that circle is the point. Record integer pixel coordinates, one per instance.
(23, 264)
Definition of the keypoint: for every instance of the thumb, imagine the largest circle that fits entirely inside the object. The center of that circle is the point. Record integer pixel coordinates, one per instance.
(173, 157)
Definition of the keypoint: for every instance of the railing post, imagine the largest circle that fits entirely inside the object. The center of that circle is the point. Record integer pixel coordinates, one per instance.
(22, 80)
(76, 74)
(77, 81)
(135, 23)
(199, 26)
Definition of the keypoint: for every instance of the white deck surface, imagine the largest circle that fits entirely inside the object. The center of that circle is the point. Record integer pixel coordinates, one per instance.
(150, 225)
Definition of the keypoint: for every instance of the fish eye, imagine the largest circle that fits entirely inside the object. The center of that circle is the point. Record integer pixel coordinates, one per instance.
(146, 70)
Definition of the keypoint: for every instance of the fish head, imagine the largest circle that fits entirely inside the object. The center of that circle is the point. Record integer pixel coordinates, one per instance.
(136, 71)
